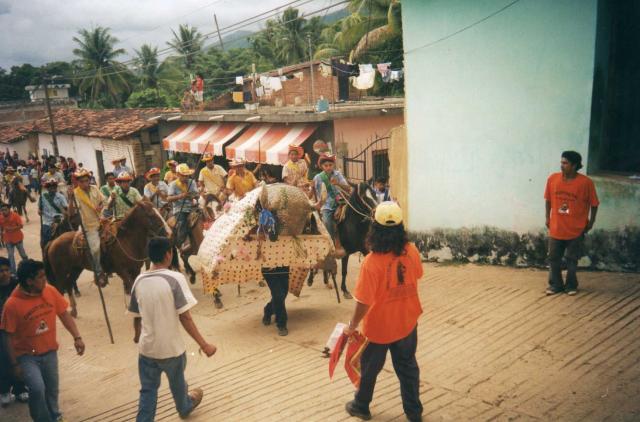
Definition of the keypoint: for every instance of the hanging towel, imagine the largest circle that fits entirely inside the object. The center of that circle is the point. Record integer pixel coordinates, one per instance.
(299, 75)
(280, 72)
(264, 81)
(384, 70)
(238, 97)
(260, 91)
(239, 80)
(325, 70)
(283, 78)
(396, 75)
(366, 79)
(275, 84)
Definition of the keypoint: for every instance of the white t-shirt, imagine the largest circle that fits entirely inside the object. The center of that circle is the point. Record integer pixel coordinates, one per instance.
(159, 297)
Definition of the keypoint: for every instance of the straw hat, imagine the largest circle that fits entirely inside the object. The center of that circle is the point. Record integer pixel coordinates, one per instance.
(326, 157)
(172, 163)
(237, 162)
(297, 148)
(184, 169)
(124, 177)
(10, 169)
(151, 172)
(50, 182)
(388, 214)
(117, 160)
(207, 156)
(80, 173)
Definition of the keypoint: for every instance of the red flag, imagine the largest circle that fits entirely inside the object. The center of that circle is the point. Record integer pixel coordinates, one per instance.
(336, 353)
(357, 344)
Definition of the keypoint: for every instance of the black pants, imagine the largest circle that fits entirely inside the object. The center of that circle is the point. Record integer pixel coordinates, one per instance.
(7, 379)
(278, 281)
(403, 356)
(571, 250)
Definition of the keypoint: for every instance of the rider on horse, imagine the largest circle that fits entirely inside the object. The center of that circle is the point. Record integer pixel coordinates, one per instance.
(211, 182)
(90, 202)
(120, 166)
(182, 194)
(106, 191)
(51, 207)
(156, 191)
(242, 180)
(295, 170)
(325, 185)
(171, 174)
(123, 197)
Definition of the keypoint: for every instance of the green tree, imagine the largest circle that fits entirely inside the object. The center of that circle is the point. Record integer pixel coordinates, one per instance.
(147, 66)
(291, 42)
(105, 79)
(147, 98)
(188, 43)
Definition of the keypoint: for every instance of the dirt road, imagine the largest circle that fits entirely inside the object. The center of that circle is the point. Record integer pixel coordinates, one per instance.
(491, 347)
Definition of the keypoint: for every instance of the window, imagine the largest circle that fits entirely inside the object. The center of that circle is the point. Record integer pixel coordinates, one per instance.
(381, 163)
(614, 139)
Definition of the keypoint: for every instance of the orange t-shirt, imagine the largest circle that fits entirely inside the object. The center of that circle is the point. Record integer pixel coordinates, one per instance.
(32, 320)
(10, 231)
(394, 308)
(571, 201)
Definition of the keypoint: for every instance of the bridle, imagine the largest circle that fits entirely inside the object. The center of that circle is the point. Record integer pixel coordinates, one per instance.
(152, 231)
(346, 196)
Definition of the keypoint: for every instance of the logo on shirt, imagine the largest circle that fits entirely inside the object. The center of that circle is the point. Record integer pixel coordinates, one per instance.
(42, 328)
(564, 209)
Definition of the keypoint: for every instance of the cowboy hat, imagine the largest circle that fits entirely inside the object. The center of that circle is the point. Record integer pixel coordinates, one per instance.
(184, 169)
(236, 162)
(207, 156)
(80, 173)
(151, 172)
(297, 148)
(326, 157)
(117, 160)
(124, 177)
(10, 169)
(172, 163)
(50, 182)
(388, 213)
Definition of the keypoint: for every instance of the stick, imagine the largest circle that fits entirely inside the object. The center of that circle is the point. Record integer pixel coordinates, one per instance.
(95, 273)
(335, 286)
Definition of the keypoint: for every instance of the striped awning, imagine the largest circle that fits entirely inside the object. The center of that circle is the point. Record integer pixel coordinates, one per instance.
(193, 137)
(269, 142)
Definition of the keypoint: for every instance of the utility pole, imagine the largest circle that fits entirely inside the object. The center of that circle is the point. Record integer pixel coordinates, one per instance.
(51, 123)
(215, 18)
(313, 87)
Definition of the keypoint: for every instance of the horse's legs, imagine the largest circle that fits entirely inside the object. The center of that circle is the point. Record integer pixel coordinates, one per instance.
(325, 279)
(312, 274)
(175, 260)
(216, 299)
(343, 286)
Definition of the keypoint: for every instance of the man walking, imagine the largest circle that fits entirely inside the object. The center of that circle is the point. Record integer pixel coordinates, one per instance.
(160, 298)
(51, 207)
(389, 306)
(571, 205)
(29, 319)
(11, 233)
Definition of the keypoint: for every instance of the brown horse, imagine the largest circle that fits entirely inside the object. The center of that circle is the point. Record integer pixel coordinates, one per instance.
(124, 256)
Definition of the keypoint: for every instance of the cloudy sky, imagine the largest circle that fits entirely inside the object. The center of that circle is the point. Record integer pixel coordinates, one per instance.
(40, 31)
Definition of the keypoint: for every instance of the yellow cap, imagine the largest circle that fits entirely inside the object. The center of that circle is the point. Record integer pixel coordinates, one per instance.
(388, 214)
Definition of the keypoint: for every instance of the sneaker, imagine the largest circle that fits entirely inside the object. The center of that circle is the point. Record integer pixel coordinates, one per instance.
(6, 399)
(266, 320)
(282, 331)
(572, 292)
(196, 397)
(353, 410)
(23, 397)
(550, 291)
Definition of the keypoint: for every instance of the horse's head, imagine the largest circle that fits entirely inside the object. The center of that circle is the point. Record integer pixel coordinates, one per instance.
(364, 195)
(145, 215)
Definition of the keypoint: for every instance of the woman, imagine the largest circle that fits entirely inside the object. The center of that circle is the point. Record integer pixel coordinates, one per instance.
(388, 305)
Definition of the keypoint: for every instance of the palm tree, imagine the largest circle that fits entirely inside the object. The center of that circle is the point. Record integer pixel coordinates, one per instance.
(148, 66)
(291, 42)
(100, 73)
(187, 42)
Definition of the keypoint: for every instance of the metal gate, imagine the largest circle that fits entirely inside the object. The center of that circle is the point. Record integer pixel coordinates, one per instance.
(369, 162)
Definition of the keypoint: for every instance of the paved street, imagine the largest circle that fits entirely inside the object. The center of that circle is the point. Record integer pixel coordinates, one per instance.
(491, 347)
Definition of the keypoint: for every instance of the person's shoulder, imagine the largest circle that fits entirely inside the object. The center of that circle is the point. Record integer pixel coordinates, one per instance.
(554, 177)
(583, 178)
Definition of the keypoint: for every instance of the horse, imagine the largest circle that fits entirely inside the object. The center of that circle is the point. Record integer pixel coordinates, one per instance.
(352, 231)
(124, 255)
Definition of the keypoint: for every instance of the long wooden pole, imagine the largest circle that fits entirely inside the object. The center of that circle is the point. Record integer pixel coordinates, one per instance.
(215, 18)
(49, 114)
(95, 273)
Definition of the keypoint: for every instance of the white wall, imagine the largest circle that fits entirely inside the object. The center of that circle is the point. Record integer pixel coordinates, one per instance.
(489, 110)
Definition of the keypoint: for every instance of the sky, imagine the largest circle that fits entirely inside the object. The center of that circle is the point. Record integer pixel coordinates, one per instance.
(41, 31)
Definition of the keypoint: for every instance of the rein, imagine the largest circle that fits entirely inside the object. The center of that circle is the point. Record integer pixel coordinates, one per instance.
(344, 196)
(152, 232)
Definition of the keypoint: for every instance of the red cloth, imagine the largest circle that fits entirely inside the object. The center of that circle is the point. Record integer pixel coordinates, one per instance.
(336, 354)
(11, 228)
(571, 202)
(357, 344)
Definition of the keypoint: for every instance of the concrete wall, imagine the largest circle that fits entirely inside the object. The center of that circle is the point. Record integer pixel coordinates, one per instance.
(490, 110)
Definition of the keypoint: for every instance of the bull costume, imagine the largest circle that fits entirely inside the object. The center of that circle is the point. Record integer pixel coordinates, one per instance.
(182, 194)
(123, 197)
(90, 203)
(52, 206)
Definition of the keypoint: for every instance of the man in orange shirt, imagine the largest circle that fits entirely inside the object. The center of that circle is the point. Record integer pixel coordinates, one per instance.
(388, 305)
(571, 207)
(29, 320)
(12, 236)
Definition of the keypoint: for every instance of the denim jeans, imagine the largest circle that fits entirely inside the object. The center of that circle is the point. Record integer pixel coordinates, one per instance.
(8, 381)
(329, 221)
(11, 248)
(403, 356)
(40, 374)
(150, 371)
(278, 281)
(182, 228)
(571, 250)
(45, 235)
(93, 241)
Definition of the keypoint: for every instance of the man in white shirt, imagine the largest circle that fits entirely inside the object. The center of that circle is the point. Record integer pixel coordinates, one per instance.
(160, 302)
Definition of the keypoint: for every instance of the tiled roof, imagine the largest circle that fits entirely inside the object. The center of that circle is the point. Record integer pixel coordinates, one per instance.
(111, 123)
(10, 134)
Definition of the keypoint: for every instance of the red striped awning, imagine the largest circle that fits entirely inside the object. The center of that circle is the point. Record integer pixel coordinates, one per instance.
(269, 142)
(193, 137)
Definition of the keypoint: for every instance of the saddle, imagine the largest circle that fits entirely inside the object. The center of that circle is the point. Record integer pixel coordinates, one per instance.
(108, 230)
(192, 219)
(340, 213)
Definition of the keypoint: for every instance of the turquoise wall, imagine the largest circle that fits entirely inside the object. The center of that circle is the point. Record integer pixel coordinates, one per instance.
(489, 111)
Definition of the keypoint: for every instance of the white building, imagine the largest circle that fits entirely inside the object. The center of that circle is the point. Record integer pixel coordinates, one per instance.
(56, 92)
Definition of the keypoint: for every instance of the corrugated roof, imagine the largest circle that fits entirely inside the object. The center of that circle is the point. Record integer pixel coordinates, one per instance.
(110, 123)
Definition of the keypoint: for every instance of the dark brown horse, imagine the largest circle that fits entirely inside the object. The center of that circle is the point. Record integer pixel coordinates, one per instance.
(124, 255)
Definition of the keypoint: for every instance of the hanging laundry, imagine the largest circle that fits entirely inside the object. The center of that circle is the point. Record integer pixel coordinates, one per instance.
(343, 71)
(239, 80)
(247, 96)
(396, 75)
(366, 78)
(325, 70)
(264, 81)
(283, 78)
(280, 72)
(275, 84)
(384, 70)
(299, 75)
(238, 97)
(260, 91)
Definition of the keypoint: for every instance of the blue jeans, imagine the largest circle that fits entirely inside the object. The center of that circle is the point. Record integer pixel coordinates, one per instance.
(329, 221)
(11, 251)
(40, 374)
(150, 371)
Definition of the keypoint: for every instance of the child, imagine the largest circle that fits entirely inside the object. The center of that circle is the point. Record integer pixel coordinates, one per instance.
(12, 236)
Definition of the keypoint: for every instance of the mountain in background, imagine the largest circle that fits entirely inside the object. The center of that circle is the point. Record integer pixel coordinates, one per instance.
(239, 39)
